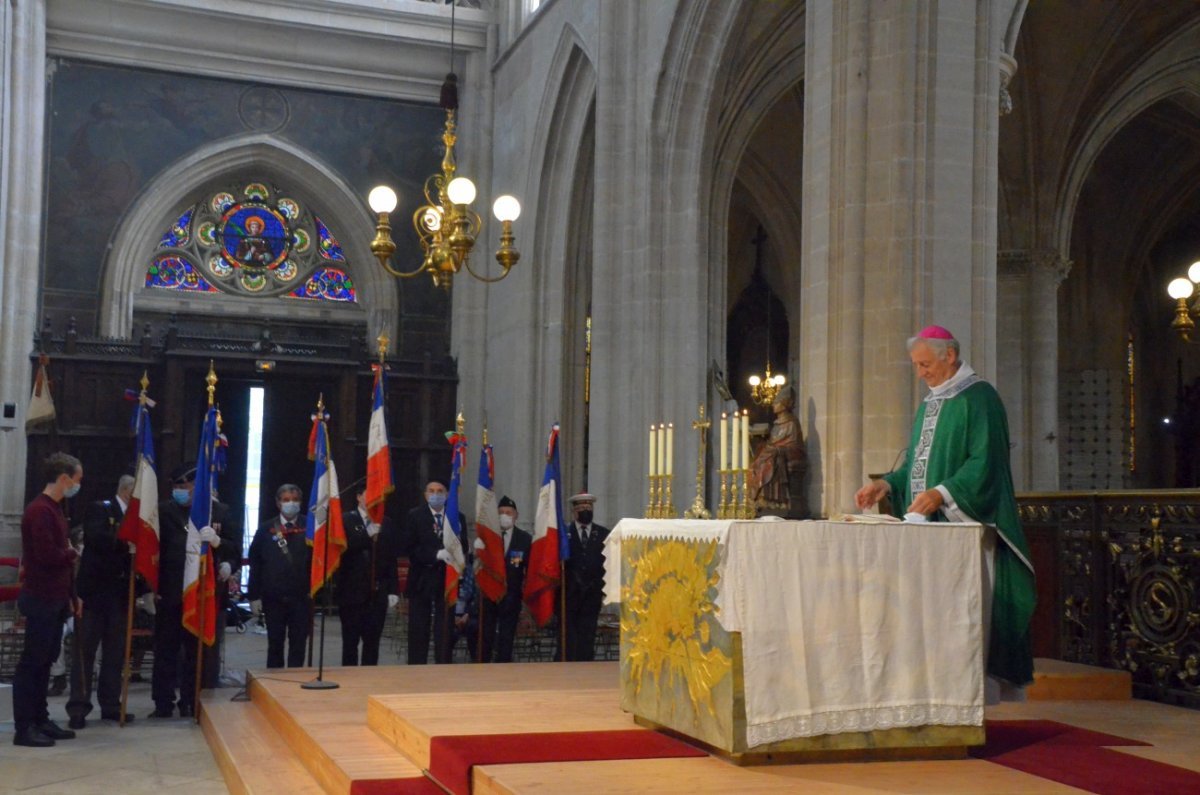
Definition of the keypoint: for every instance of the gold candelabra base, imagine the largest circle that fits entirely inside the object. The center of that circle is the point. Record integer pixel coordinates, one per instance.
(661, 504)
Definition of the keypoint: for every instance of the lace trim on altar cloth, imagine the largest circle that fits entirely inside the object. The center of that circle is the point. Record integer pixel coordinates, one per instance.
(863, 720)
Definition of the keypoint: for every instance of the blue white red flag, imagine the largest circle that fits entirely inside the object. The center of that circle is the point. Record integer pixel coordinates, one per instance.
(199, 579)
(379, 454)
(325, 531)
(452, 530)
(549, 547)
(140, 525)
(489, 544)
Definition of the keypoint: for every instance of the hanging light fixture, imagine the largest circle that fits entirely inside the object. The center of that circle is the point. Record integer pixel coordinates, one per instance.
(764, 388)
(446, 225)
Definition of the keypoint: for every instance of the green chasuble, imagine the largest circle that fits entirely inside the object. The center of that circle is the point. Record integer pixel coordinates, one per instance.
(960, 441)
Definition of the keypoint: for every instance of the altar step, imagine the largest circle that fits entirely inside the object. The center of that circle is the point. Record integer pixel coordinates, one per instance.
(1058, 680)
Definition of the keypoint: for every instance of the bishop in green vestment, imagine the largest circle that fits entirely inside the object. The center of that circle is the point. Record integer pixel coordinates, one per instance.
(957, 469)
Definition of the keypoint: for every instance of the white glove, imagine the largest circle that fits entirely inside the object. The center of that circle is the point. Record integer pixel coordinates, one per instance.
(224, 570)
(479, 544)
(443, 556)
(393, 600)
(132, 548)
(210, 537)
(256, 607)
(372, 529)
(146, 603)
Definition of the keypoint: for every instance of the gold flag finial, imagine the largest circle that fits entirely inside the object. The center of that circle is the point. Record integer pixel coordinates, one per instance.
(460, 423)
(320, 403)
(145, 382)
(485, 429)
(211, 380)
(382, 341)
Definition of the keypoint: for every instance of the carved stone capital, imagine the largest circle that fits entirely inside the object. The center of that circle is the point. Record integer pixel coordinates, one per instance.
(1052, 264)
(1008, 68)
(1038, 262)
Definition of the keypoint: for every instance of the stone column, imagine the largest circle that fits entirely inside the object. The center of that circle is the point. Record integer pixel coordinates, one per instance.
(900, 180)
(21, 151)
(1048, 271)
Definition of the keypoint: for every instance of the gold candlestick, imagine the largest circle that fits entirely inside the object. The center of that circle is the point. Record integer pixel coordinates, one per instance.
(650, 497)
(698, 511)
(745, 509)
(668, 509)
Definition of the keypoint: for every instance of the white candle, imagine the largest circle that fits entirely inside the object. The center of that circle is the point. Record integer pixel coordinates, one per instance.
(662, 448)
(735, 435)
(670, 449)
(745, 438)
(724, 442)
(653, 450)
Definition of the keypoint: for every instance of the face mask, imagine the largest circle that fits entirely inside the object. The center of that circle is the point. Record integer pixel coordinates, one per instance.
(436, 501)
(506, 521)
(584, 517)
(181, 496)
(289, 509)
(71, 491)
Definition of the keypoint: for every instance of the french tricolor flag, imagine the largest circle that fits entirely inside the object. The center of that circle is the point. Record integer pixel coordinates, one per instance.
(489, 546)
(325, 532)
(452, 531)
(549, 548)
(199, 579)
(379, 455)
(140, 524)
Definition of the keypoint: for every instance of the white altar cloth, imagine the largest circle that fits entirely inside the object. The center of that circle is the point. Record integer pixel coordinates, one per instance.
(846, 626)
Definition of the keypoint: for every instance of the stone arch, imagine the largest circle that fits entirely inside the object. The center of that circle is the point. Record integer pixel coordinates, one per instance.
(1170, 69)
(566, 123)
(305, 175)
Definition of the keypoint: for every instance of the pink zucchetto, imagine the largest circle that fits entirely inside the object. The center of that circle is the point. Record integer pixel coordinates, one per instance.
(934, 333)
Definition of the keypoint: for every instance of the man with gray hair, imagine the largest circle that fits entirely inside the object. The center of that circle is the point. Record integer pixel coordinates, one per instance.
(103, 585)
(280, 558)
(957, 469)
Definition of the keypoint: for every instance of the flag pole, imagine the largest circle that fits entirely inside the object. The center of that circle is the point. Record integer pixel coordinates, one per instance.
(211, 388)
(125, 669)
(479, 595)
(320, 683)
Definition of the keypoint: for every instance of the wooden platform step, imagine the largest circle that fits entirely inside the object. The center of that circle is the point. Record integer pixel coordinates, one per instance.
(331, 738)
(1057, 680)
(410, 722)
(253, 757)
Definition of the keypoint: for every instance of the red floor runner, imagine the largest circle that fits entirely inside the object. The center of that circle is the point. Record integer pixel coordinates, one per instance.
(451, 758)
(1077, 757)
(396, 786)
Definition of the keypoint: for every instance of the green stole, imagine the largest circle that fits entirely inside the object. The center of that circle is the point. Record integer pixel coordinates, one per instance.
(960, 441)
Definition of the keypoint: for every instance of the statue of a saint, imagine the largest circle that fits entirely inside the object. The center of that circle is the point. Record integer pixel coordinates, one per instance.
(778, 469)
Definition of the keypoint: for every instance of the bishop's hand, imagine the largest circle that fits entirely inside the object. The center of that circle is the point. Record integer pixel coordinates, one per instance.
(871, 493)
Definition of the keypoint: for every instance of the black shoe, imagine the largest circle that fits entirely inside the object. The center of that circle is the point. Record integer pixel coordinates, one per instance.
(32, 738)
(58, 686)
(77, 722)
(54, 731)
(162, 712)
(117, 716)
(186, 711)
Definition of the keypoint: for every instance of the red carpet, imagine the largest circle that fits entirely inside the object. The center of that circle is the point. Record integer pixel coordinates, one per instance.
(1077, 757)
(451, 758)
(396, 786)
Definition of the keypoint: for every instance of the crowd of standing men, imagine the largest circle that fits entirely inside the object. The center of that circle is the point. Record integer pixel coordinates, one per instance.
(96, 586)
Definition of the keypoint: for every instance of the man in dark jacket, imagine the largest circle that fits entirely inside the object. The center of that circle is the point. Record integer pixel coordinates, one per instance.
(584, 578)
(500, 618)
(280, 559)
(174, 646)
(423, 540)
(365, 584)
(103, 585)
(45, 600)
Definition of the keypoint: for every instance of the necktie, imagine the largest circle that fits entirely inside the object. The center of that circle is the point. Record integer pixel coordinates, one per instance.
(504, 539)
(437, 524)
(584, 532)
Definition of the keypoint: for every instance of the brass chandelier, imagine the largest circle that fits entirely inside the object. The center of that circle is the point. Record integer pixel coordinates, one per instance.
(1181, 290)
(446, 225)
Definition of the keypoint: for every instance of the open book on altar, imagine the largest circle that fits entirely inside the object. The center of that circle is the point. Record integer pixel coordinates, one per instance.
(866, 518)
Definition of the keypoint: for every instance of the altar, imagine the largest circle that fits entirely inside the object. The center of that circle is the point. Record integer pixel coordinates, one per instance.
(766, 639)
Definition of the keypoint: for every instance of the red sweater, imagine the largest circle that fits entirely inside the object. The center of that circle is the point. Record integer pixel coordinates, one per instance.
(46, 554)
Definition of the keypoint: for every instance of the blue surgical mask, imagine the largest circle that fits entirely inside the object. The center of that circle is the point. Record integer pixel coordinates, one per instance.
(290, 509)
(71, 491)
(436, 501)
(181, 496)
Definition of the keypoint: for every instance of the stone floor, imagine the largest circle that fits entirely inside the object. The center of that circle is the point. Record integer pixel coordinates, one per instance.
(146, 756)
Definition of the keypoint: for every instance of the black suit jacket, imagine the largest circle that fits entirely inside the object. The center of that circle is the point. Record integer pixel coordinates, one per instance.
(104, 566)
(274, 573)
(585, 567)
(516, 563)
(420, 544)
(355, 582)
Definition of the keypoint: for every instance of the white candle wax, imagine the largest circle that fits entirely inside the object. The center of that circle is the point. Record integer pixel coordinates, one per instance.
(746, 439)
(670, 449)
(724, 442)
(735, 434)
(653, 450)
